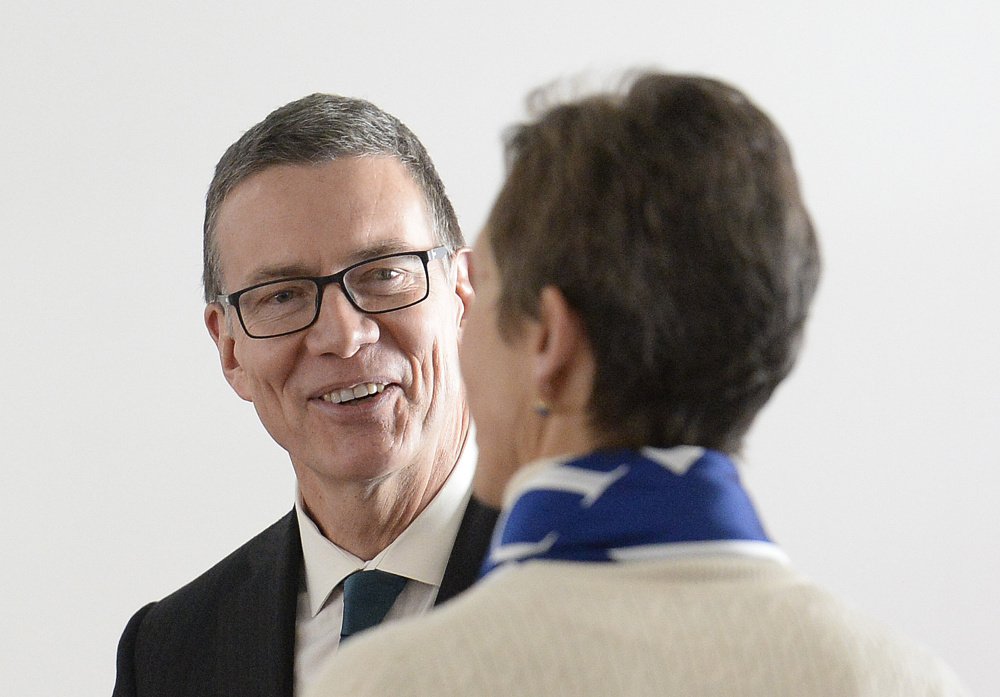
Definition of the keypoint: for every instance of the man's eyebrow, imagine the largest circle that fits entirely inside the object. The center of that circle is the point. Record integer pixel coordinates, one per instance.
(382, 248)
(278, 271)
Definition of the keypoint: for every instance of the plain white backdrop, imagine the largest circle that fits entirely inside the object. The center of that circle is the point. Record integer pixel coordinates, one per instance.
(129, 466)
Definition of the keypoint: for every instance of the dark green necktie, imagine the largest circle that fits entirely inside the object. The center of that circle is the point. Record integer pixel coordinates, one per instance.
(368, 595)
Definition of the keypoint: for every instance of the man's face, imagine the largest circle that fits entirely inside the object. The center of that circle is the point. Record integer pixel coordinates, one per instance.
(314, 220)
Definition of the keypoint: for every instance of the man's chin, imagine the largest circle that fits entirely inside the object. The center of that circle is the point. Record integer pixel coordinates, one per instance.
(361, 469)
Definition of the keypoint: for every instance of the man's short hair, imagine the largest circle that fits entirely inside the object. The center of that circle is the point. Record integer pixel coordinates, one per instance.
(316, 129)
(670, 218)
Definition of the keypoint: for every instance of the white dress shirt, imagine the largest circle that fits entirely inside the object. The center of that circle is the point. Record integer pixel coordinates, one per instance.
(420, 554)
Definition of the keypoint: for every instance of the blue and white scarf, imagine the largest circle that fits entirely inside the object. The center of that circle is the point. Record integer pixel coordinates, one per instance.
(623, 505)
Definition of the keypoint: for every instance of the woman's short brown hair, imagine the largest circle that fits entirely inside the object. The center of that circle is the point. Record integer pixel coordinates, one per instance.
(670, 217)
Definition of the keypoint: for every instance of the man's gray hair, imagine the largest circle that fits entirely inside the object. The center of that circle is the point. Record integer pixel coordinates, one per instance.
(316, 129)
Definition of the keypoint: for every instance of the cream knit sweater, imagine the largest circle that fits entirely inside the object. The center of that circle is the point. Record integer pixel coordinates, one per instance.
(695, 626)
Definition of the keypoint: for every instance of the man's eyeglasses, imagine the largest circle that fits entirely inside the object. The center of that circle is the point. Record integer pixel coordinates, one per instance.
(383, 284)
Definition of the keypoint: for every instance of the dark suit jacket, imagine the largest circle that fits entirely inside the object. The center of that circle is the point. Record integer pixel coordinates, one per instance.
(231, 631)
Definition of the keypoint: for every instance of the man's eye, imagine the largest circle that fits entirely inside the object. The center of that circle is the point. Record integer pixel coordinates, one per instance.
(284, 296)
(385, 274)
(382, 276)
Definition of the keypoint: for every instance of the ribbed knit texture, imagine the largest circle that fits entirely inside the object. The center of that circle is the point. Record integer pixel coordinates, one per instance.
(697, 627)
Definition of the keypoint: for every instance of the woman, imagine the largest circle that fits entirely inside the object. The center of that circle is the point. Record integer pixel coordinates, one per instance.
(641, 289)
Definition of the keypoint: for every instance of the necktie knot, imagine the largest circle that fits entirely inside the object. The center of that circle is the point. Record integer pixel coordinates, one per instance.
(368, 595)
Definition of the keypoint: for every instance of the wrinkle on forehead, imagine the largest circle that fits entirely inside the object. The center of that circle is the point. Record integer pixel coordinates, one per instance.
(372, 205)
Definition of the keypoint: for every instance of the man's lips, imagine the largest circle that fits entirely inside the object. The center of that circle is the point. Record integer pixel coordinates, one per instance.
(349, 394)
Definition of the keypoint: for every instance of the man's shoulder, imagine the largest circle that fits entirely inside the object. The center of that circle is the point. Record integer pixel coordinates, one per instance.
(266, 561)
(229, 631)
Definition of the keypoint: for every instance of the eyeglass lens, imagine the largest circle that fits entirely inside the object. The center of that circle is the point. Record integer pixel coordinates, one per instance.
(288, 305)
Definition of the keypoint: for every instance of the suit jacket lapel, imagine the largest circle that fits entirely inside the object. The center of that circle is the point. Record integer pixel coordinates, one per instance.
(467, 555)
(255, 653)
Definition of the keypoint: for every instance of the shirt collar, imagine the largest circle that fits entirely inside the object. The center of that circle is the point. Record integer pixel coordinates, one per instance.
(420, 552)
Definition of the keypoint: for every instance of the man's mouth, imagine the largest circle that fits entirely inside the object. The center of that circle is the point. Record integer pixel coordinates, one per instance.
(350, 394)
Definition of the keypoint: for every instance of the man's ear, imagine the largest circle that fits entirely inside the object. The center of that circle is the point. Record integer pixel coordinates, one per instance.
(463, 286)
(219, 327)
(564, 365)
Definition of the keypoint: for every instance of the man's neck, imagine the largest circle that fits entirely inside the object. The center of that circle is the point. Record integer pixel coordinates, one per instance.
(364, 518)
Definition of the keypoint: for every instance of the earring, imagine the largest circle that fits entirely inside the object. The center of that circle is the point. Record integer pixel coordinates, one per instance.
(542, 408)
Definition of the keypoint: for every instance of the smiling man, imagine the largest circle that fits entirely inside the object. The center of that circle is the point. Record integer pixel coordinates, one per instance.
(336, 284)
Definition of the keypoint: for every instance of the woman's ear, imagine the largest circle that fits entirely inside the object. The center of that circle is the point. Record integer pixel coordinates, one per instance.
(563, 360)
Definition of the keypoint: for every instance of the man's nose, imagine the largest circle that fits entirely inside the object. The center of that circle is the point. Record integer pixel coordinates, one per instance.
(340, 328)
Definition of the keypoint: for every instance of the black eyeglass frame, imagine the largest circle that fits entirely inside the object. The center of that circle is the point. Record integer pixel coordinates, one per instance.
(425, 256)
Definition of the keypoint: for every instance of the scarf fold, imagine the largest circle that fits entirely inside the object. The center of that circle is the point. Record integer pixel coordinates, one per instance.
(623, 505)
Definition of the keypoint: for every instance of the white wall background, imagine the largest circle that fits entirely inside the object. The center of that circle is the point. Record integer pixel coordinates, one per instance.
(129, 466)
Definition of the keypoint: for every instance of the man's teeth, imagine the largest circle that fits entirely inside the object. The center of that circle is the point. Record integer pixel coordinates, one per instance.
(356, 392)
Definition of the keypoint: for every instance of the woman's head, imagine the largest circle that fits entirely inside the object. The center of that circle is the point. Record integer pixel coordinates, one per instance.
(669, 219)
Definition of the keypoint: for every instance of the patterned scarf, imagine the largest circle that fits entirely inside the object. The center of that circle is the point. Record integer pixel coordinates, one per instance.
(623, 505)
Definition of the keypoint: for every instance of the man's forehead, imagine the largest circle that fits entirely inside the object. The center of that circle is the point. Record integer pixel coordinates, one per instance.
(307, 218)
(344, 174)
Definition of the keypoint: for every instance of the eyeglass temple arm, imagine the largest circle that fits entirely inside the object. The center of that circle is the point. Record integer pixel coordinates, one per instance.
(438, 253)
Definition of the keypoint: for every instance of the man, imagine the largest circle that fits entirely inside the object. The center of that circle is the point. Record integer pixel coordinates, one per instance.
(336, 284)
